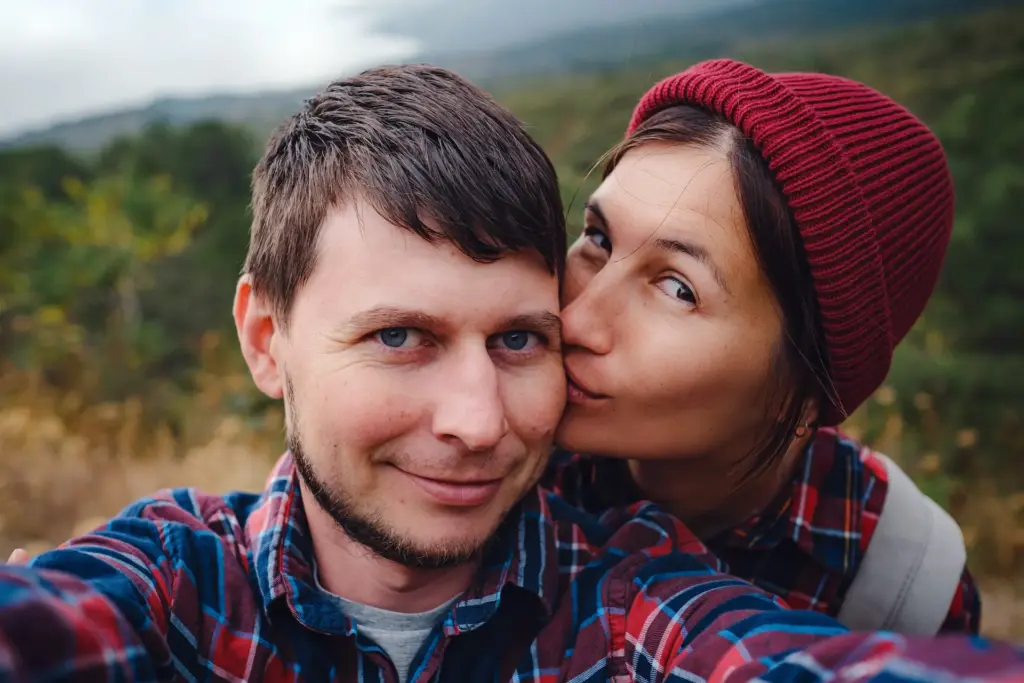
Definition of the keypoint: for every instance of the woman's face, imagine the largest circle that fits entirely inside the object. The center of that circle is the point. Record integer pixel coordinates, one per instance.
(670, 327)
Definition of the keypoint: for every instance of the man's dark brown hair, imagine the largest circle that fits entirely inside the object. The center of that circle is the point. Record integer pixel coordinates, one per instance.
(430, 151)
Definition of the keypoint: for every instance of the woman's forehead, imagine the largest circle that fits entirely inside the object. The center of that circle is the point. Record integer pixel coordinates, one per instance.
(663, 181)
(662, 191)
(674, 191)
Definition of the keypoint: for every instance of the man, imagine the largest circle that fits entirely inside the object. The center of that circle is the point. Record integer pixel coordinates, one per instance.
(401, 296)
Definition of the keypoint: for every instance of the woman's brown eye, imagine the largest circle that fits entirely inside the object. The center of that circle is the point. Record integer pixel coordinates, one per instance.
(598, 238)
(677, 289)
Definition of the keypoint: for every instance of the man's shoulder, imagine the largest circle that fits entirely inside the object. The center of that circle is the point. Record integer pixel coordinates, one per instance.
(174, 527)
(195, 509)
(168, 552)
(235, 516)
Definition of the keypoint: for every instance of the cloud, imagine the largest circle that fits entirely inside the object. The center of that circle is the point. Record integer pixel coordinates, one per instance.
(65, 58)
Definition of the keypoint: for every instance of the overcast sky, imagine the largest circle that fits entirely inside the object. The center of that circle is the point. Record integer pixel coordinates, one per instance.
(64, 58)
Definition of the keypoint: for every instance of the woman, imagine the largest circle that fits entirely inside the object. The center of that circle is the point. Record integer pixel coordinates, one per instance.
(759, 245)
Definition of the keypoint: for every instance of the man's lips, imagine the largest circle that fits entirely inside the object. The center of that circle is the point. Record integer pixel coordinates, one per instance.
(457, 493)
(578, 392)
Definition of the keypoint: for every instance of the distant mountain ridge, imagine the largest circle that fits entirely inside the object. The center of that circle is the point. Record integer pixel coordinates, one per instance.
(260, 110)
(493, 25)
(700, 36)
(630, 41)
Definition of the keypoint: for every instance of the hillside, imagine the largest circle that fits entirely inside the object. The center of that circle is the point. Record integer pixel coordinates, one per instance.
(651, 31)
(488, 25)
(928, 65)
(692, 35)
(260, 111)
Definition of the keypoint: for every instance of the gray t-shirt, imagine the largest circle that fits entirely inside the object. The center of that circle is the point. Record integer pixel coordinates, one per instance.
(400, 634)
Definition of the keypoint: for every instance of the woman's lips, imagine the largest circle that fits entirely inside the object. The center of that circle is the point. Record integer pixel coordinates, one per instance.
(578, 393)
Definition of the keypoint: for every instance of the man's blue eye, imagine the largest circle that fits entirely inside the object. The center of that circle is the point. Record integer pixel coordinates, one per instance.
(394, 337)
(516, 341)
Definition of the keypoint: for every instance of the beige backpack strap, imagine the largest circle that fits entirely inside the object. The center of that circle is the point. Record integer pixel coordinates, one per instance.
(912, 567)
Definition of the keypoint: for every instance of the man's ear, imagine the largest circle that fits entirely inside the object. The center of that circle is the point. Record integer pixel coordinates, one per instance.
(259, 338)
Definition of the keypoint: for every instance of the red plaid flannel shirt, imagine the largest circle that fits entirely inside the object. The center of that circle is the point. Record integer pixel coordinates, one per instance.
(808, 545)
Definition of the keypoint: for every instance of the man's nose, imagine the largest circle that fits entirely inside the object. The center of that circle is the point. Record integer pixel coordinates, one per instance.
(469, 404)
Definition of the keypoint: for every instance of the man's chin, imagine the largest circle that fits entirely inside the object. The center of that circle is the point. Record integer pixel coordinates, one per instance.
(430, 540)
(411, 527)
(426, 552)
(439, 544)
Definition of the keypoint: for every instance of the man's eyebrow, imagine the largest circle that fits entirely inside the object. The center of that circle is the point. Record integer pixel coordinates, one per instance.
(694, 251)
(544, 322)
(383, 317)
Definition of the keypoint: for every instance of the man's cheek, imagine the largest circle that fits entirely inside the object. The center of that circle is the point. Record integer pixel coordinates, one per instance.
(537, 403)
(366, 418)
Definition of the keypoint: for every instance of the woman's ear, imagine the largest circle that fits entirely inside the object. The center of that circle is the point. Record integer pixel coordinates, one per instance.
(809, 416)
(812, 411)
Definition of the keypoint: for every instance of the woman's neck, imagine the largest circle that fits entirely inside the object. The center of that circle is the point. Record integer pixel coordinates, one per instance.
(711, 495)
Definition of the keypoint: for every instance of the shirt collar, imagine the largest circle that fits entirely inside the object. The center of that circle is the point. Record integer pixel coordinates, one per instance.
(523, 554)
(822, 502)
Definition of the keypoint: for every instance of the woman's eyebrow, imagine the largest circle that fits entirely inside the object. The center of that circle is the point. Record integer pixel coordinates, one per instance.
(593, 207)
(694, 251)
(675, 246)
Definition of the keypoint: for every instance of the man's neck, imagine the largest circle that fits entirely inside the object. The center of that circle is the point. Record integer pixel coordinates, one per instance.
(354, 572)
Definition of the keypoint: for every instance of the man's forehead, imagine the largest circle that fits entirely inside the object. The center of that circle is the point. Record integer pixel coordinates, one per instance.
(366, 263)
(356, 232)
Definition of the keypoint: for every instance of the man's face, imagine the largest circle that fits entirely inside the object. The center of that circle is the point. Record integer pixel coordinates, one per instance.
(422, 388)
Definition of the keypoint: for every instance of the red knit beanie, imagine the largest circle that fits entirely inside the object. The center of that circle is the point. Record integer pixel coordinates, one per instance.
(868, 186)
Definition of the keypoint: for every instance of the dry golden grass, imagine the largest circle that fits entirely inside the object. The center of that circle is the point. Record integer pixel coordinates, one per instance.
(64, 468)
(1003, 608)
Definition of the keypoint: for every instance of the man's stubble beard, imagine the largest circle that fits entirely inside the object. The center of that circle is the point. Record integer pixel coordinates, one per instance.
(372, 531)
